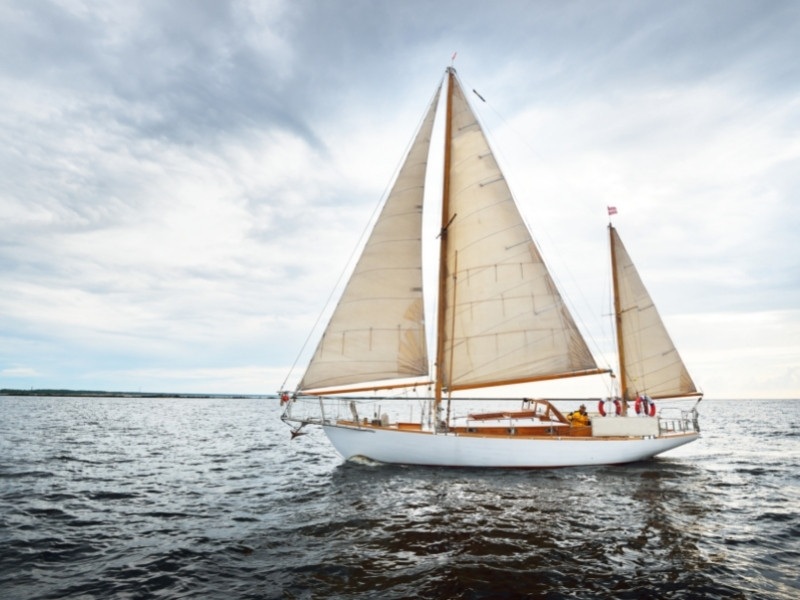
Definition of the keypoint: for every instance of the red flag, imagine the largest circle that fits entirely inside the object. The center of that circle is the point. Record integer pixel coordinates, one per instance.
(612, 210)
(453, 58)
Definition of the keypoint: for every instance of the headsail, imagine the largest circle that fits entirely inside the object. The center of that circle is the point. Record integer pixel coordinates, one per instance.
(649, 361)
(377, 331)
(504, 320)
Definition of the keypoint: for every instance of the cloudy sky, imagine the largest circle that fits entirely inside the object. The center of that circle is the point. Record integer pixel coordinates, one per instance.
(181, 183)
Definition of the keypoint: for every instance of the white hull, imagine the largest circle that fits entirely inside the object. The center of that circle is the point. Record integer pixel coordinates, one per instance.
(450, 450)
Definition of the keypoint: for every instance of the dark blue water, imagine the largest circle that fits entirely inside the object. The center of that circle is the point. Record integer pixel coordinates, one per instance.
(208, 498)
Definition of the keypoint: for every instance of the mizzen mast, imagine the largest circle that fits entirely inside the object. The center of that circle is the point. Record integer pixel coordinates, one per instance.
(618, 318)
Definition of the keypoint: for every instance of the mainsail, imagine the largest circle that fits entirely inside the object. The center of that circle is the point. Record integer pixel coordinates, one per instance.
(649, 362)
(504, 321)
(377, 331)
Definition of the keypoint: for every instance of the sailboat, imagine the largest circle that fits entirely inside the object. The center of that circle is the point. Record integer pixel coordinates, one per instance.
(499, 321)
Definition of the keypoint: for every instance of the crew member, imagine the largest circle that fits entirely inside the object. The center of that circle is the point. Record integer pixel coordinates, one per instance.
(579, 418)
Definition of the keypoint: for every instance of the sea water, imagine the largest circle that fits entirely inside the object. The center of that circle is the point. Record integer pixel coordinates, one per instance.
(209, 498)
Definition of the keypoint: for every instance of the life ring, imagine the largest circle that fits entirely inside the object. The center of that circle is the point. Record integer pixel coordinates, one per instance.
(650, 406)
(284, 398)
(601, 407)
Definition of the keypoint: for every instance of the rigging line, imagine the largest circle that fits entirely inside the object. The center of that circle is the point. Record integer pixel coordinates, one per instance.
(567, 299)
(349, 264)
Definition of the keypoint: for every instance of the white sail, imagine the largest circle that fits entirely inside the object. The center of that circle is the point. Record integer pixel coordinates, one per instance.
(650, 364)
(377, 331)
(505, 321)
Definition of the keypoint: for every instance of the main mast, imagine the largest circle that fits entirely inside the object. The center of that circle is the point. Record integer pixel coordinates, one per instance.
(442, 300)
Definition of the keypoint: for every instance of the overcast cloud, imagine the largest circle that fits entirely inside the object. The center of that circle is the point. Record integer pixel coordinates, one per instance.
(181, 183)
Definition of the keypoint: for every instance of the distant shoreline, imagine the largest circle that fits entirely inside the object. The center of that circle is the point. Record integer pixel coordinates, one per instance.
(101, 394)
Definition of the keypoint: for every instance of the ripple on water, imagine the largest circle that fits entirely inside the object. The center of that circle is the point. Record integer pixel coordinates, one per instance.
(207, 498)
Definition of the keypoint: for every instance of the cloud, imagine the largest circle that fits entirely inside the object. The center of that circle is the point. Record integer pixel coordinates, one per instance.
(19, 372)
(184, 71)
(728, 363)
(181, 183)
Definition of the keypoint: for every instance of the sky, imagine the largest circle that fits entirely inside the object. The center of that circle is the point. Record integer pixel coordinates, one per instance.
(182, 183)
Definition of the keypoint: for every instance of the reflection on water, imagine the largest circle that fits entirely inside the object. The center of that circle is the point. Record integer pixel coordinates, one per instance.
(209, 499)
(464, 532)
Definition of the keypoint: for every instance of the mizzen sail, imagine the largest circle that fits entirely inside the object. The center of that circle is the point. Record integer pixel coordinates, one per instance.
(649, 362)
(377, 331)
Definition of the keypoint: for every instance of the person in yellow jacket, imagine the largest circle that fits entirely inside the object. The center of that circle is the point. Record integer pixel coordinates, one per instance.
(579, 418)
